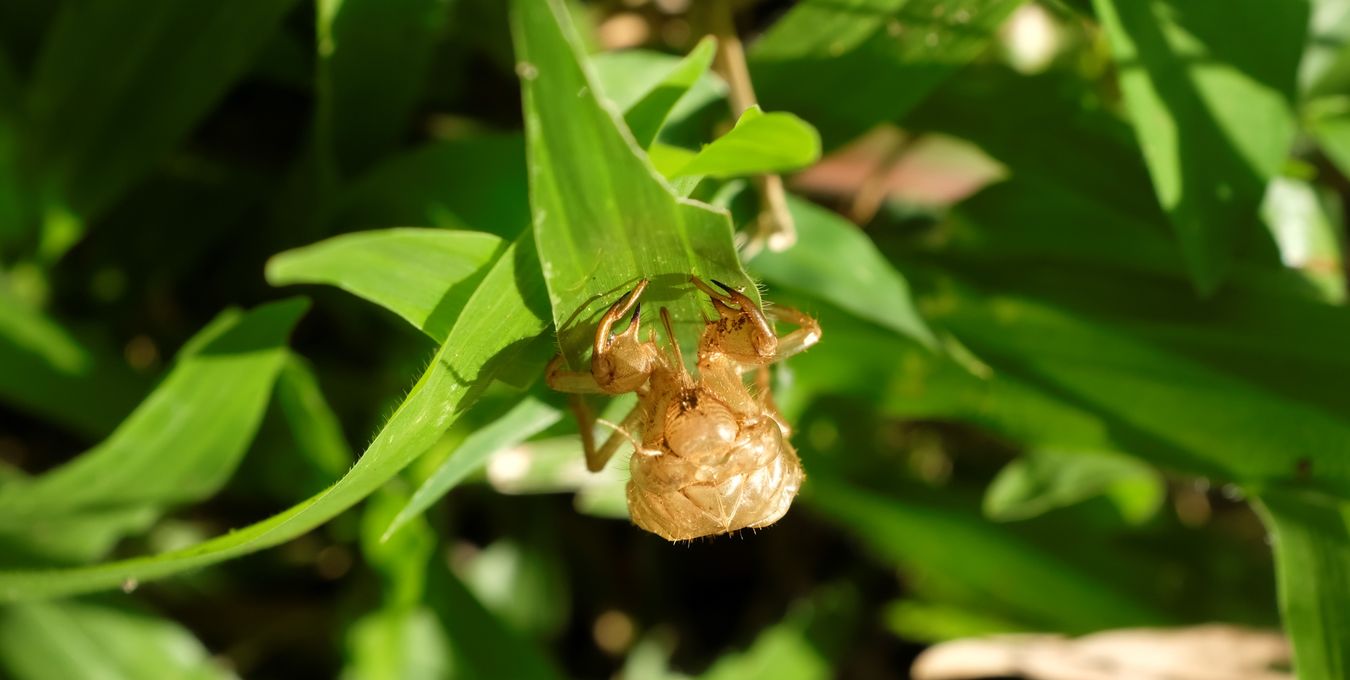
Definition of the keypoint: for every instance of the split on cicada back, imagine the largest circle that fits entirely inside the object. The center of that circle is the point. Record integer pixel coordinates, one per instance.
(711, 455)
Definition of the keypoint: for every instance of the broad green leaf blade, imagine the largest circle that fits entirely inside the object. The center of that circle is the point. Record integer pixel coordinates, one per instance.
(834, 261)
(1310, 534)
(373, 58)
(668, 160)
(848, 65)
(1211, 89)
(1002, 570)
(119, 84)
(603, 218)
(315, 428)
(48, 372)
(760, 144)
(73, 640)
(1043, 480)
(183, 442)
(527, 419)
(646, 116)
(422, 275)
(506, 313)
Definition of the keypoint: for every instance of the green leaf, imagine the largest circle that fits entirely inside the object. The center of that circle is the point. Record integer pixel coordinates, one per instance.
(182, 443)
(836, 262)
(1175, 382)
(397, 643)
(846, 65)
(1044, 480)
(315, 428)
(403, 638)
(1055, 129)
(803, 646)
(423, 275)
(1001, 570)
(1308, 237)
(119, 84)
(48, 372)
(1325, 69)
(760, 144)
(668, 160)
(1311, 537)
(73, 640)
(525, 420)
(631, 77)
(373, 59)
(779, 652)
(1211, 89)
(603, 218)
(523, 581)
(503, 317)
(1333, 134)
(483, 645)
(646, 116)
(931, 623)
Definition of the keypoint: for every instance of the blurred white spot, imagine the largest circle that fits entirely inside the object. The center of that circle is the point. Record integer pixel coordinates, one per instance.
(1031, 38)
(527, 70)
(509, 466)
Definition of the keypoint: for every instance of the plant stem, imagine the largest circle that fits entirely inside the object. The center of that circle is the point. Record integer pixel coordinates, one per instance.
(774, 227)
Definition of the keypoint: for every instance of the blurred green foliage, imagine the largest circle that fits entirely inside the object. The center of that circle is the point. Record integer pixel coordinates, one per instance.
(1103, 389)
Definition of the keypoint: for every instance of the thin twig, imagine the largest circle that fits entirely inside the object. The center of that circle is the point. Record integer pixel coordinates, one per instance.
(774, 227)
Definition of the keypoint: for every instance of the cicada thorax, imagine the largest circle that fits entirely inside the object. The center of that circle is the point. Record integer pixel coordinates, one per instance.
(711, 466)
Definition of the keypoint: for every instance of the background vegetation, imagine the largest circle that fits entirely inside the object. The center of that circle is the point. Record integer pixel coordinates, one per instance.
(1079, 266)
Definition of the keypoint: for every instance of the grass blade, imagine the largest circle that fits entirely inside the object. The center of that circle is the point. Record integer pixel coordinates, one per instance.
(648, 114)
(846, 65)
(1003, 571)
(85, 641)
(503, 316)
(603, 218)
(316, 429)
(1311, 539)
(525, 420)
(834, 261)
(373, 59)
(760, 144)
(422, 275)
(1213, 136)
(184, 440)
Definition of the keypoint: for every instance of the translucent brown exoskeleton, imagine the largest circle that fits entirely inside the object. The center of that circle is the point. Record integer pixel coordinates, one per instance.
(711, 455)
